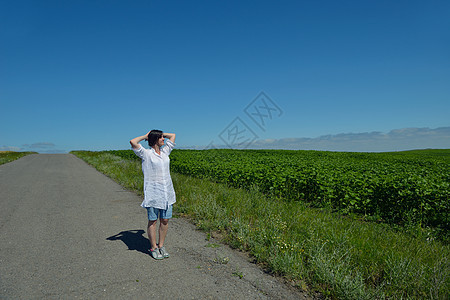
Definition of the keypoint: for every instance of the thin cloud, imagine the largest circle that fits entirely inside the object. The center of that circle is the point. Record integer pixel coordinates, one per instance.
(41, 145)
(52, 151)
(395, 140)
(376, 141)
(10, 148)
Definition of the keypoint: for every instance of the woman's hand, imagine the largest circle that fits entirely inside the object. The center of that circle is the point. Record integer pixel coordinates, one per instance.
(146, 135)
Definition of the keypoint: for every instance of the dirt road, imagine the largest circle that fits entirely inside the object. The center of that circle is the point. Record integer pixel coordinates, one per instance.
(67, 231)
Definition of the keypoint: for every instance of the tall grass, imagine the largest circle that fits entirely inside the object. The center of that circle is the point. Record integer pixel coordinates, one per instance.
(341, 257)
(8, 156)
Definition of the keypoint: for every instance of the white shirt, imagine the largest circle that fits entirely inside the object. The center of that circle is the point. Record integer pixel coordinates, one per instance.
(158, 187)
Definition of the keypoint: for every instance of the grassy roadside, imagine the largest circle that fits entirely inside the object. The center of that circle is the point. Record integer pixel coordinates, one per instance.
(341, 257)
(8, 156)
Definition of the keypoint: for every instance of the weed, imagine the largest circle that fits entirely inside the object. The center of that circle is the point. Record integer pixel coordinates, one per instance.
(221, 259)
(238, 273)
(212, 245)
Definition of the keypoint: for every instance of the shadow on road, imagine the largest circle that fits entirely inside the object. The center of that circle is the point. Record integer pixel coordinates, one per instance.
(134, 239)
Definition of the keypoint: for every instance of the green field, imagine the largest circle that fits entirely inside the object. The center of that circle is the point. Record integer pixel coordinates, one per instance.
(324, 244)
(8, 156)
(409, 188)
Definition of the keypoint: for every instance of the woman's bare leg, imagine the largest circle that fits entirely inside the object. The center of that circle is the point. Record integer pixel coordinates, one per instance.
(163, 226)
(151, 231)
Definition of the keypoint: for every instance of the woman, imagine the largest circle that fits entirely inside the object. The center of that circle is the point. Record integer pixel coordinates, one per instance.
(159, 195)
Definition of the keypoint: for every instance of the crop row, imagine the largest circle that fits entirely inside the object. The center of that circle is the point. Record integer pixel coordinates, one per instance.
(402, 188)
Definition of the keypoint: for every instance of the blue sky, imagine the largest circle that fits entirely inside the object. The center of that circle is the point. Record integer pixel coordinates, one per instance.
(93, 74)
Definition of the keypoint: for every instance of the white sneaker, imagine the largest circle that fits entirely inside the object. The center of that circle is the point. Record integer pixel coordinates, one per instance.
(156, 254)
(163, 252)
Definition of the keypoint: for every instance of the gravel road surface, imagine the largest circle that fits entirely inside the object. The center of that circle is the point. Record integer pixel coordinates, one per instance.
(67, 231)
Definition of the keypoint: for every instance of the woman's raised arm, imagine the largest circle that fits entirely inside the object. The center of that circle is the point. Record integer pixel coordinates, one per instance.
(170, 136)
(135, 142)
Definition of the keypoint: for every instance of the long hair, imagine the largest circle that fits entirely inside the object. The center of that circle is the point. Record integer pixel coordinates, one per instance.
(154, 136)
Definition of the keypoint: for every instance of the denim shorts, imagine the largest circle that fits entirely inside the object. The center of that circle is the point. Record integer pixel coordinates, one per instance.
(155, 213)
